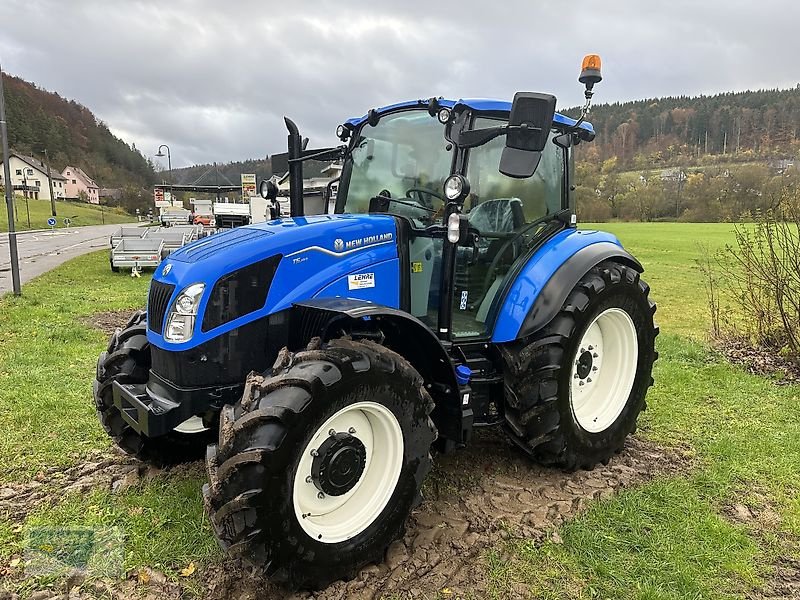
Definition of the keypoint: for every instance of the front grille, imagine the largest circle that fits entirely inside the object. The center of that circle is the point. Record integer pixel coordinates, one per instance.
(157, 304)
(239, 293)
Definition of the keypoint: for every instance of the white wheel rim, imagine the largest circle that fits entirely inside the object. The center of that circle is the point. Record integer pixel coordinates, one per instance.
(192, 425)
(331, 519)
(603, 370)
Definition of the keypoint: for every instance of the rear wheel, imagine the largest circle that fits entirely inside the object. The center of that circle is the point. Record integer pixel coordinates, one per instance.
(575, 389)
(319, 464)
(127, 360)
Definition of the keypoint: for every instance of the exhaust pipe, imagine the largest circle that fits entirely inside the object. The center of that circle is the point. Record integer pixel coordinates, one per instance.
(295, 169)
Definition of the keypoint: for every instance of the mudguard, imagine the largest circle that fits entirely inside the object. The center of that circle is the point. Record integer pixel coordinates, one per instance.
(544, 283)
(406, 335)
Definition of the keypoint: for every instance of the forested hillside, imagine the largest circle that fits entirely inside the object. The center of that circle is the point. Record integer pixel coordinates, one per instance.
(38, 119)
(672, 131)
(709, 158)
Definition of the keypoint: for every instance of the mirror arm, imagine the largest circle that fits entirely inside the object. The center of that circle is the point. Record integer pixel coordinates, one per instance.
(587, 106)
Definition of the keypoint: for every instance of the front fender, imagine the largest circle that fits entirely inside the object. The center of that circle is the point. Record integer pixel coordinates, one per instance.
(542, 286)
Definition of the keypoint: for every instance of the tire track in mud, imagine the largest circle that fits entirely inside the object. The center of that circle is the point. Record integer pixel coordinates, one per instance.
(475, 499)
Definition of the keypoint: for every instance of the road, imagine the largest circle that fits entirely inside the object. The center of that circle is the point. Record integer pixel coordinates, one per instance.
(40, 251)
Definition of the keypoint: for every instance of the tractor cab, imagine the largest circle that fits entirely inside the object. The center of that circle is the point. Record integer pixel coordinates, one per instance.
(400, 158)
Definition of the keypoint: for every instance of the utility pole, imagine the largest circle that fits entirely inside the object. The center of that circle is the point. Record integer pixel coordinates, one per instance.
(50, 183)
(12, 234)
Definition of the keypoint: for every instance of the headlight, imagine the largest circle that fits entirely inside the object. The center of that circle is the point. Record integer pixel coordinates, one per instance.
(182, 315)
(456, 187)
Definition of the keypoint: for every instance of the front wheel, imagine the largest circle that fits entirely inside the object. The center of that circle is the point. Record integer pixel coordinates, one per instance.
(127, 360)
(575, 389)
(319, 464)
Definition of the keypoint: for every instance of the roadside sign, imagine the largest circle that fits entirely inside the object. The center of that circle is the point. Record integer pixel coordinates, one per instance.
(158, 195)
(52, 221)
(67, 222)
(248, 185)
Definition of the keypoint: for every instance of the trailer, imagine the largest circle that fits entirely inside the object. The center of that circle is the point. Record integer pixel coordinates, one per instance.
(231, 214)
(125, 232)
(136, 253)
(174, 216)
(171, 240)
(192, 232)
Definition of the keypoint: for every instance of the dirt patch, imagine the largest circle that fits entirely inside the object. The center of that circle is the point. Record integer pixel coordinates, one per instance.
(763, 521)
(759, 361)
(107, 469)
(110, 320)
(475, 499)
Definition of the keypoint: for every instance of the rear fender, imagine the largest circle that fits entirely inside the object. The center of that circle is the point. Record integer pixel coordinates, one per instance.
(546, 280)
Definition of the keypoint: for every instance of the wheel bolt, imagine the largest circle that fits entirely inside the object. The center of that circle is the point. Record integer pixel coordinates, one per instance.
(314, 453)
(594, 369)
(308, 479)
(577, 376)
(583, 349)
(595, 355)
(321, 496)
(351, 431)
(591, 347)
(331, 432)
(588, 380)
(580, 382)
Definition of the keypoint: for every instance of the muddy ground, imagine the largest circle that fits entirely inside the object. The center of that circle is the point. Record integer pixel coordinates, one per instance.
(475, 499)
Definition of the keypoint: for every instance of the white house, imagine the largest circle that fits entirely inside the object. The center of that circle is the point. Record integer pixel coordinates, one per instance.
(29, 177)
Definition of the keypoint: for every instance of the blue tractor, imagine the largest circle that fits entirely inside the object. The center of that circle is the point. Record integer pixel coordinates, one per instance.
(324, 357)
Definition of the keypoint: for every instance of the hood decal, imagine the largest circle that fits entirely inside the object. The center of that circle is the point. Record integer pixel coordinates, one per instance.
(343, 248)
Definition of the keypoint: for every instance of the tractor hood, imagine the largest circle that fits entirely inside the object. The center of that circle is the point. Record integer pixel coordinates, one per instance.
(261, 269)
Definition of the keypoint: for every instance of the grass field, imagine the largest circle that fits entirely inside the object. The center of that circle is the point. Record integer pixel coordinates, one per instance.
(670, 538)
(78, 212)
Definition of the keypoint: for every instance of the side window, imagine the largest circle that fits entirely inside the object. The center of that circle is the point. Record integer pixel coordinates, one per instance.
(512, 202)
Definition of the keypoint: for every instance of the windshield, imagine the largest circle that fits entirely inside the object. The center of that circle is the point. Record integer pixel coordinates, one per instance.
(405, 157)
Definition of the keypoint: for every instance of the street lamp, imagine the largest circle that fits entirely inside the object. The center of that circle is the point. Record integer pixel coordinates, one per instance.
(169, 159)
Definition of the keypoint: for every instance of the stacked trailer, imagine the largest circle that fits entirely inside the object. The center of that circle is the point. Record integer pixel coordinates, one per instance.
(171, 240)
(136, 253)
(123, 233)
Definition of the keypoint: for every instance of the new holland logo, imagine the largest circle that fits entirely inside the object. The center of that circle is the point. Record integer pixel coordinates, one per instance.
(338, 244)
(165, 271)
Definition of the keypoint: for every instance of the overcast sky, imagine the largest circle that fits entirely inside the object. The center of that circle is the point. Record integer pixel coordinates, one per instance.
(212, 79)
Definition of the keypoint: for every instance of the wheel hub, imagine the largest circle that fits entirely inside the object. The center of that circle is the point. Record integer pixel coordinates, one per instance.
(339, 464)
(584, 364)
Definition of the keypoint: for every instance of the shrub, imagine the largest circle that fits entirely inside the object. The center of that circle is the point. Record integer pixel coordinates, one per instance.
(761, 271)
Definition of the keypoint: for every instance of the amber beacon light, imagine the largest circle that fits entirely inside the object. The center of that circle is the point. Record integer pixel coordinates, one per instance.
(590, 71)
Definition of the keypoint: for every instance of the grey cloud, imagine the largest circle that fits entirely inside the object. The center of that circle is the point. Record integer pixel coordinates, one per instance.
(213, 79)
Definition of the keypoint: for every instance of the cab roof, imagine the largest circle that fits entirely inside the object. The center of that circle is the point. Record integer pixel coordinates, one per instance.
(477, 104)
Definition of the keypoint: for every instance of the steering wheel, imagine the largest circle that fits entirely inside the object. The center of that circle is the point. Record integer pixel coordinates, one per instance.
(421, 191)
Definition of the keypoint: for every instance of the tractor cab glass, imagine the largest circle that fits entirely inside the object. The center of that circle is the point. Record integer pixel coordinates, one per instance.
(402, 161)
(399, 167)
(507, 213)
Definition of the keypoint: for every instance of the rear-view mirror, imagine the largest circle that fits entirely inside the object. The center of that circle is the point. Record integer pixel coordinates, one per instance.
(529, 127)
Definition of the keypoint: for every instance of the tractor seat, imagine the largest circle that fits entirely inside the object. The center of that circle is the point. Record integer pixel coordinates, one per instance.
(499, 215)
